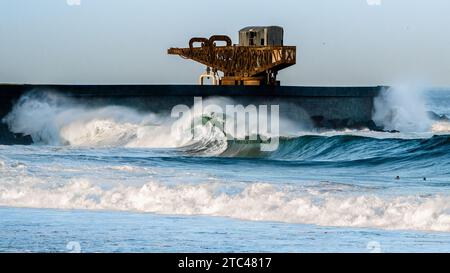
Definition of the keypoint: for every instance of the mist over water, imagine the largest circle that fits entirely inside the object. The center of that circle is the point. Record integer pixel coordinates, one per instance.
(402, 108)
(110, 157)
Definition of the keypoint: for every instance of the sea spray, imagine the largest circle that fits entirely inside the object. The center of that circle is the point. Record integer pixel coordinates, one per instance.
(53, 119)
(401, 108)
(255, 202)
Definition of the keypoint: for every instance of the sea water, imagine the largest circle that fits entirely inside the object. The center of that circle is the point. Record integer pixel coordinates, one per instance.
(111, 179)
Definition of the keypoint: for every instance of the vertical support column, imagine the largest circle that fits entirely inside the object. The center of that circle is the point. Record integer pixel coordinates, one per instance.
(209, 75)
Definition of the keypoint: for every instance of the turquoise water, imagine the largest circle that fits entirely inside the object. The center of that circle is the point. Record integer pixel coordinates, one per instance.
(103, 180)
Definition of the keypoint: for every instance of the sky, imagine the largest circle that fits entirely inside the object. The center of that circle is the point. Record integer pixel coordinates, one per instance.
(339, 42)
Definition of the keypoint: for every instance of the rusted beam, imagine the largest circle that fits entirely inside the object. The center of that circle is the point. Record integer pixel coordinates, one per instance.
(238, 61)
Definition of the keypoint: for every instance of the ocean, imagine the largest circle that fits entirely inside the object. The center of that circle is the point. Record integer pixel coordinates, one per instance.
(112, 179)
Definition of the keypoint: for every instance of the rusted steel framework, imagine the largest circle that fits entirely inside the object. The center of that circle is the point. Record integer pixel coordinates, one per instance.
(239, 64)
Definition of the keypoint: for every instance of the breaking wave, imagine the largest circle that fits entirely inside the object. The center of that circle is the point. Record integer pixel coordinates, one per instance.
(255, 202)
(418, 143)
(52, 119)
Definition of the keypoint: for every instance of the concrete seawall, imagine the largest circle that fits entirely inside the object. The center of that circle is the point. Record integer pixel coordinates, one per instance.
(333, 107)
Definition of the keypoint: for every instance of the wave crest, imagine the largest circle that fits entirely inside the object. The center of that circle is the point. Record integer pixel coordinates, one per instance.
(55, 120)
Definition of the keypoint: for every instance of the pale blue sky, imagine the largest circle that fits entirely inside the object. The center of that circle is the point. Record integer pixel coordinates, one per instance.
(340, 42)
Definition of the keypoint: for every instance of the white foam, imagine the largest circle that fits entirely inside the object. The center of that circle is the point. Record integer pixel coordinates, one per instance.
(56, 120)
(437, 128)
(2, 162)
(402, 108)
(256, 202)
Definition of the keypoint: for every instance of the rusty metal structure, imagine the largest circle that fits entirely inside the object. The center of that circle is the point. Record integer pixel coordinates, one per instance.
(249, 63)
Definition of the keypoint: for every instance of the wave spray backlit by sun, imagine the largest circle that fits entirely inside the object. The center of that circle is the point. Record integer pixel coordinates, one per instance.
(402, 109)
(52, 119)
(297, 183)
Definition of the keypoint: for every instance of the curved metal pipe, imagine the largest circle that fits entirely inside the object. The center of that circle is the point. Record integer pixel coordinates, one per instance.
(198, 40)
(222, 38)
